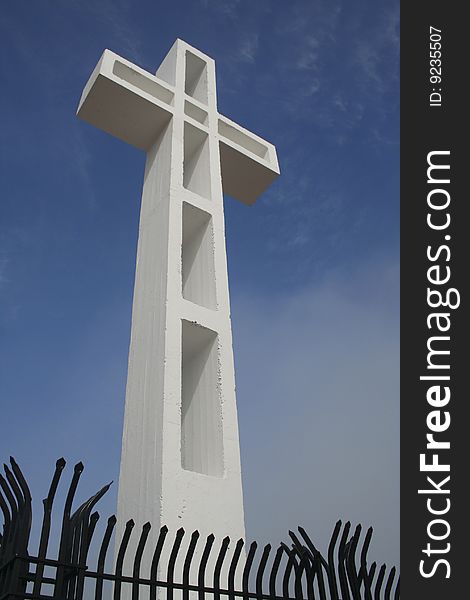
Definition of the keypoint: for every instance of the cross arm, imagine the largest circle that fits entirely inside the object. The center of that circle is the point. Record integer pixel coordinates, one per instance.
(248, 163)
(126, 101)
(135, 106)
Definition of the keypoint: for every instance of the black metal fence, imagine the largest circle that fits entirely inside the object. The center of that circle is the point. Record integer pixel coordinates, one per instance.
(292, 571)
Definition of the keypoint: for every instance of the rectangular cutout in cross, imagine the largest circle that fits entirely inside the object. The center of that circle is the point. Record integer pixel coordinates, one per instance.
(196, 166)
(197, 257)
(201, 410)
(143, 82)
(195, 79)
(196, 113)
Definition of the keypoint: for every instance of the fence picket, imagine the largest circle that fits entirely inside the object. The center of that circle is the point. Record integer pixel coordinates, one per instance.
(138, 559)
(218, 566)
(275, 570)
(379, 582)
(170, 575)
(155, 562)
(201, 577)
(247, 569)
(120, 558)
(102, 556)
(388, 587)
(187, 563)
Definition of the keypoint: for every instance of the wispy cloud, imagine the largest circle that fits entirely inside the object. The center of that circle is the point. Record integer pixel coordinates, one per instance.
(81, 166)
(327, 87)
(391, 26)
(309, 31)
(235, 59)
(376, 55)
(226, 8)
(115, 15)
(309, 54)
(304, 17)
(248, 47)
(368, 58)
(314, 224)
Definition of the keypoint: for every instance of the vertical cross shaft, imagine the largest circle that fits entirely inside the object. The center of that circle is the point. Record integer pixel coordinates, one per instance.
(180, 459)
(180, 463)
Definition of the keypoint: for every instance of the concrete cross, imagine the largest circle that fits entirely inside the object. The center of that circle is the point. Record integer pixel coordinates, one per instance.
(180, 463)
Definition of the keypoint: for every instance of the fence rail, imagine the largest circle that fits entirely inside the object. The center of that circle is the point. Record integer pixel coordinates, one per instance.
(293, 571)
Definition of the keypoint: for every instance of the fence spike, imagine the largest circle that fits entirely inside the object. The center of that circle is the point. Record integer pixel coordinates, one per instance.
(316, 569)
(13, 483)
(102, 556)
(10, 498)
(8, 541)
(343, 581)
(6, 515)
(303, 564)
(261, 568)
(218, 566)
(138, 559)
(320, 563)
(19, 528)
(21, 480)
(90, 503)
(371, 575)
(247, 568)
(46, 524)
(311, 572)
(363, 572)
(82, 528)
(79, 540)
(332, 583)
(120, 557)
(378, 583)
(233, 567)
(351, 563)
(71, 581)
(388, 587)
(274, 570)
(172, 561)
(77, 472)
(187, 562)
(19, 524)
(201, 576)
(313, 549)
(396, 595)
(313, 564)
(288, 570)
(66, 538)
(155, 561)
(95, 517)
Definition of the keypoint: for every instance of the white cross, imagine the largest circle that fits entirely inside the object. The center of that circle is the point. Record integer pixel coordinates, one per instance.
(180, 463)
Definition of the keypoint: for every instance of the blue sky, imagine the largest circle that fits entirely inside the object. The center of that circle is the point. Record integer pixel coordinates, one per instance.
(313, 266)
